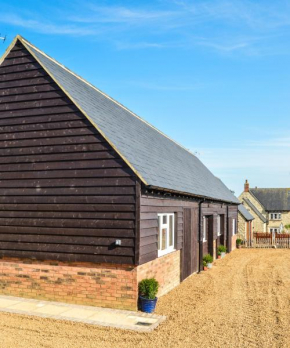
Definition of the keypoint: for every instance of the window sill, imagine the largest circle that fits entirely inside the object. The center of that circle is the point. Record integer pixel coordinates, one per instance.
(165, 252)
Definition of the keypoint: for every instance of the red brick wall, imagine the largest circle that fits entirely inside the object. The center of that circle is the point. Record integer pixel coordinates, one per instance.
(165, 269)
(104, 285)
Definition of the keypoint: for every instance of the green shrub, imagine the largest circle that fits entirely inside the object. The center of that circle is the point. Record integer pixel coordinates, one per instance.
(148, 288)
(208, 258)
(222, 249)
(239, 241)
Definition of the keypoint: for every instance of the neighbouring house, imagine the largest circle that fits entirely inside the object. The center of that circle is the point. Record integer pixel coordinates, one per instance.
(94, 198)
(269, 206)
(245, 221)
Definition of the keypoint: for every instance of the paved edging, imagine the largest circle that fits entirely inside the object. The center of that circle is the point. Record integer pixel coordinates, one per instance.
(134, 320)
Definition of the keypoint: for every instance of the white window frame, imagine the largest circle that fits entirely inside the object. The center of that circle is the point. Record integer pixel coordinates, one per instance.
(276, 229)
(234, 230)
(204, 230)
(218, 226)
(275, 216)
(161, 226)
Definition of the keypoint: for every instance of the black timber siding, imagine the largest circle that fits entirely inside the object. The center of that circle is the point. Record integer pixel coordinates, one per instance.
(65, 194)
(150, 207)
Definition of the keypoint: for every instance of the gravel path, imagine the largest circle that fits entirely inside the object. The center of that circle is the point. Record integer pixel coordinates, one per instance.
(242, 302)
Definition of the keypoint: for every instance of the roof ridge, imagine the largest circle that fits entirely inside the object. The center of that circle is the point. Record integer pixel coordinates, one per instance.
(104, 94)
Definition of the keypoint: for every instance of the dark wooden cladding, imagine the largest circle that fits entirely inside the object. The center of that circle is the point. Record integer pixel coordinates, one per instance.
(64, 192)
(150, 208)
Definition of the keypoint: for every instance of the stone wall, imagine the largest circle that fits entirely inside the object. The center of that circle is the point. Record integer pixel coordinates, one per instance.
(103, 285)
(241, 227)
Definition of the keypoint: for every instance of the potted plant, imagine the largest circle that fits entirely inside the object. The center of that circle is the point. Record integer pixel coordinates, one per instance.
(204, 266)
(148, 289)
(239, 243)
(222, 250)
(208, 259)
(219, 254)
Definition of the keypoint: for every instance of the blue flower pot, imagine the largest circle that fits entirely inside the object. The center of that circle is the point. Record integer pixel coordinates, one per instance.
(147, 306)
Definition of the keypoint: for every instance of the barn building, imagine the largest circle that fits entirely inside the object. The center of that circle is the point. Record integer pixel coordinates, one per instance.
(93, 198)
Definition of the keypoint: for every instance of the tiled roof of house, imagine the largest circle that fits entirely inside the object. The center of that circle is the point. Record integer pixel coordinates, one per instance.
(273, 199)
(158, 161)
(251, 205)
(245, 213)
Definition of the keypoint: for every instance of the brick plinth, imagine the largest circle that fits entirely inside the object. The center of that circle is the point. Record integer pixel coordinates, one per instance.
(103, 285)
(165, 269)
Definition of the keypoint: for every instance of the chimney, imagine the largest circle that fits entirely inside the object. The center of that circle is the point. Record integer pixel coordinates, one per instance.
(246, 186)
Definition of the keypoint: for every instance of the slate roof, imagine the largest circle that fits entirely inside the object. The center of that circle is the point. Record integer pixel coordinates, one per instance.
(251, 205)
(273, 199)
(157, 160)
(245, 213)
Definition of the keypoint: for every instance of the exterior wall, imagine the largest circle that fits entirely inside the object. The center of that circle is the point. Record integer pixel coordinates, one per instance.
(165, 269)
(285, 220)
(104, 285)
(65, 194)
(242, 227)
(150, 206)
(258, 225)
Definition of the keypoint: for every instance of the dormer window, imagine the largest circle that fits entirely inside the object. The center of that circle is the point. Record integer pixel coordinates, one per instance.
(275, 216)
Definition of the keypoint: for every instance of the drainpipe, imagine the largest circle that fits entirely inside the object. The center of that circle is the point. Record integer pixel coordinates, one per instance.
(200, 238)
(228, 231)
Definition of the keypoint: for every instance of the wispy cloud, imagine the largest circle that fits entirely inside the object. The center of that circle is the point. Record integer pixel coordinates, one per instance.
(44, 26)
(226, 27)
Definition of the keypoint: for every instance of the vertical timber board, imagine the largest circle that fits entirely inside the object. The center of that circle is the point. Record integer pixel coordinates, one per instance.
(187, 243)
(195, 243)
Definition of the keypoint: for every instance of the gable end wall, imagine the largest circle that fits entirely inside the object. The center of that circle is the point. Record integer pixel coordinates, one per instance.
(65, 194)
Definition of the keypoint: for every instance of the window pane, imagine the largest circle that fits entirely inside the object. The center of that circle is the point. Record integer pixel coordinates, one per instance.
(164, 238)
(171, 230)
(165, 219)
(159, 234)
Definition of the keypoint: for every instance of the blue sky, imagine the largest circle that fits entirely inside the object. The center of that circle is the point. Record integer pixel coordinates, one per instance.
(213, 75)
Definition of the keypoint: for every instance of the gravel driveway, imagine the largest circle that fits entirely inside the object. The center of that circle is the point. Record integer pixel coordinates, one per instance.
(242, 302)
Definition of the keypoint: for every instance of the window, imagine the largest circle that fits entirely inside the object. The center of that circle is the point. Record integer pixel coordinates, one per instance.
(275, 216)
(274, 230)
(219, 225)
(166, 238)
(234, 227)
(204, 229)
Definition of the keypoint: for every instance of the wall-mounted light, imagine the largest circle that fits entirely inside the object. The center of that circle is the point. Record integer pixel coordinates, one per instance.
(118, 242)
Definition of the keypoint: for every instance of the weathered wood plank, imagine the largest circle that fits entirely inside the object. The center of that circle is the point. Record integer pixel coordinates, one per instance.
(28, 82)
(77, 173)
(66, 182)
(68, 248)
(21, 98)
(57, 157)
(70, 191)
(67, 223)
(19, 68)
(23, 75)
(108, 232)
(67, 199)
(54, 149)
(69, 207)
(74, 240)
(119, 259)
(102, 163)
(19, 91)
(68, 215)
